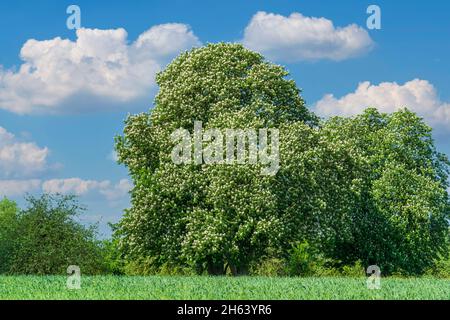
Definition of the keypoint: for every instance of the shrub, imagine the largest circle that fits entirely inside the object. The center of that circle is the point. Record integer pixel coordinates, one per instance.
(175, 270)
(148, 266)
(112, 257)
(401, 205)
(355, 270)
(269, 267)
(441, 267)
(303, 260)
(49, 239)
(8, 233)
(144, 266)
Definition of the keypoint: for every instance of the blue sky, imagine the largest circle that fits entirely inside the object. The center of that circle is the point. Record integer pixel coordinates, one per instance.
(341, 70)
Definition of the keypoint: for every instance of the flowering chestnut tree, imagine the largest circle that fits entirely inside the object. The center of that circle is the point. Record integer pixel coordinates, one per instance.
(214, 216)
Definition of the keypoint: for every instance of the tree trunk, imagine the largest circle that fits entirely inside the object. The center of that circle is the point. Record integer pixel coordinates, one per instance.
(215, 268)
(238, 270)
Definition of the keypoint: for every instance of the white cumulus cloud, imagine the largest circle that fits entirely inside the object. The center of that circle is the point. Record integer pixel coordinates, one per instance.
(58, 74)
(297, 38)
(108, 190)
(74, 186)
(81, 187)
(18, 158)
(117, 191)
(417, 95)
(14, 188)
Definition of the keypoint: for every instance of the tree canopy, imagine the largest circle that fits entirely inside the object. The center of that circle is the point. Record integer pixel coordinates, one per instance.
(369, 188)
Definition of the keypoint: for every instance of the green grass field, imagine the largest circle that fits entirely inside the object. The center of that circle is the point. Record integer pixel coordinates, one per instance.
(218, 288)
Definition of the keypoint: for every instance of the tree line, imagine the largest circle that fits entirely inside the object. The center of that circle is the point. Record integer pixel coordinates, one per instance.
(350, 192)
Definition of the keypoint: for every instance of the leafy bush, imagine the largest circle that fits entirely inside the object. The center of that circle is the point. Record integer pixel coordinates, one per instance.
(144, 266)
(269, 267)
(355, 270)
(148, 267)
(441, 267)
(112, 257)
(48, 239)
(8, 233)
(399, 215)
(303, 260)
(306, 261)
(175, 270)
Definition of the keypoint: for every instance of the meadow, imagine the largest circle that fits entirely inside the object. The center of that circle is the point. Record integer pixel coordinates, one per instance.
(219, 288)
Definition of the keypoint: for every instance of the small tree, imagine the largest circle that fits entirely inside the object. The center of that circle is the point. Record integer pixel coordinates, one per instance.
(49, 239)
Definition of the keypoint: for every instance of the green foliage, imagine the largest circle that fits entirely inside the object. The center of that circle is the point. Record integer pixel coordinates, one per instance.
(146, 266)
(305, 261)
(178, 213)
(302, 259)
(371, 188)
(143, 266)
(112, 257)
(440, 269)
(400, 208)
(48, 239)
(175, 270)
(8, 233)
(269, 267)
(355, 270)
(314, 188)
(441, 266)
